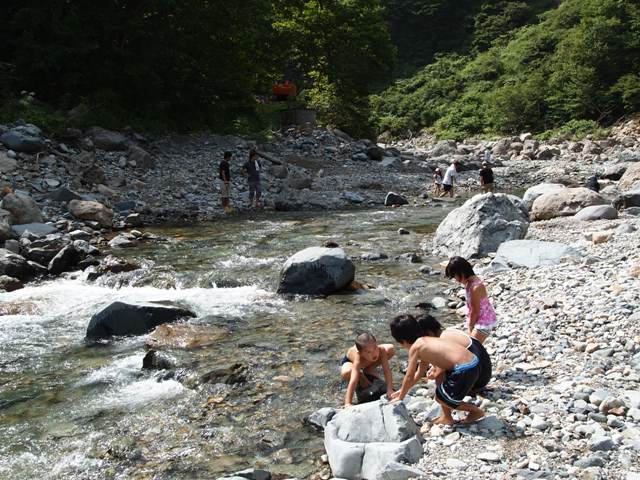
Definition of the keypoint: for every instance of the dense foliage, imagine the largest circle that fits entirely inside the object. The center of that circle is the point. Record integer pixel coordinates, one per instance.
(190, 63)
(580, 62)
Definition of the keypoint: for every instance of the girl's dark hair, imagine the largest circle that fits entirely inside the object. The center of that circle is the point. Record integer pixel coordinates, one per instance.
(460, 267)
(429, 326)
(405, 328)
(253, 153)
(364, 339)
(227, 154)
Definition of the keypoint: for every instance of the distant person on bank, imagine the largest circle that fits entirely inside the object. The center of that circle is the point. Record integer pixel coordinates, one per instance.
(487, 155)
(252, 169)
(486, 178)
(449, 177)
(224, 173)
(592, 183)
(437, 182)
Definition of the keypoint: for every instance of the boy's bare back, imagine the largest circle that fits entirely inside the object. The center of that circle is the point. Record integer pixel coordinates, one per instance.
(440, 353)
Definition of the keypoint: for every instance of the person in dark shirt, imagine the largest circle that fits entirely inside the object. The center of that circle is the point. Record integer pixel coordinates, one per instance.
(592, 183)
(224, 174)
(252, 169)
(486, 178)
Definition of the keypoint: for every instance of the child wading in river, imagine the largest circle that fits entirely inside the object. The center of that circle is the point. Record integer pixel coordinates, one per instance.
(360, 362)
(454, 368)
(481, 317)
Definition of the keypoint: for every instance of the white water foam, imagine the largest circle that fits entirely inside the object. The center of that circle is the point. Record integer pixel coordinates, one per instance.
(141, 394)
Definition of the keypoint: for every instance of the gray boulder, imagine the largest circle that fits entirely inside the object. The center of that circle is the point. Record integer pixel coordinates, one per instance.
(393, 199)
(142, 159)
(24, 138)
(628, 199)
(480, 225)
(9, 284)
(6, 232)
(597, 212)
(614, 172)
(631, 178)
(14, 265)
(7, 164)
(64, 260)
(120, 319)
(400, 471)
(37, 229)
(22, 207)
(316, 271)
(534, 192)
(64, 195)
(321, 417)
(108, 140)
(564, 203)
(531, 254)
(362, 440)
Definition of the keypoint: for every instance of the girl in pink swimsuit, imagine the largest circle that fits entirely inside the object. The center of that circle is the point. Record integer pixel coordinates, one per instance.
(481, 317)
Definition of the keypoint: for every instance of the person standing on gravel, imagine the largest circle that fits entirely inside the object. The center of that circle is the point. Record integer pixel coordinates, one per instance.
(224, 173)
(252, 169)
(486, 178)
(449, 176)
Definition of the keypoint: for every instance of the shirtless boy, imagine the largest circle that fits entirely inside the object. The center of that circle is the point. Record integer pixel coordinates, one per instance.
(454, 368)
(360, 362)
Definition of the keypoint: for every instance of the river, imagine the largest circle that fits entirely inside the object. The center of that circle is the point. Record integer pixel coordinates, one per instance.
(73, 411)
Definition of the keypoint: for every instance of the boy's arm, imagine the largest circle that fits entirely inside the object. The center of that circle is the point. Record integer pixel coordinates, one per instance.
(422, 369)
(353, 382)
(388, 376)
(407, 382)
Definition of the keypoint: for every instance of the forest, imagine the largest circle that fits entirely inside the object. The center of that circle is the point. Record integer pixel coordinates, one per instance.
(454, 68)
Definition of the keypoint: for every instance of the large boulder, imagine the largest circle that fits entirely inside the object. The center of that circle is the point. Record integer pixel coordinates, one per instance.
(536, 191)
(480, 225)
(597, 212)
(361, 441)
(94, 211)
(393, 200)
(22, 207)
(316, 271)
(24, 138)
(564, 203)
(120, 319)
(532, 254)
(628, 199)
(631, 178)
(67, 258)
(14, 265)
(108, 140)
(141, 158)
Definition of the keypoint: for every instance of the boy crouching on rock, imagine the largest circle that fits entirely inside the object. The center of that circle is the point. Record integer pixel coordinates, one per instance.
(454, 368)
(360, 362)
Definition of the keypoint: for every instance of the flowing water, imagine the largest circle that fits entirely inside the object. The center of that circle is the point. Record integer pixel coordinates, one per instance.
(70, 410)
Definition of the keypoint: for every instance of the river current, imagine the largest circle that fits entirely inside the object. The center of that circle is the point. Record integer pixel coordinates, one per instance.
(73, 411)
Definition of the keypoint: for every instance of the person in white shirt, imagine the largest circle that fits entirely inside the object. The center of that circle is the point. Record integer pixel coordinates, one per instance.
(449, 176)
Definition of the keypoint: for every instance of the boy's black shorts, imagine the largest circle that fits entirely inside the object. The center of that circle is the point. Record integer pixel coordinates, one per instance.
(447, 188)
(458, 382)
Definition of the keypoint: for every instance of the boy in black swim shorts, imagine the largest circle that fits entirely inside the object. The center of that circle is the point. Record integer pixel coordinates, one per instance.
(455, 369)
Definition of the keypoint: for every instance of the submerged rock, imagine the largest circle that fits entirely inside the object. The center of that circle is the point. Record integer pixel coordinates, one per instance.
(155, 360)
(120, 319)
(230, 374)
(393, 199)
(479, 226)
(316, 271)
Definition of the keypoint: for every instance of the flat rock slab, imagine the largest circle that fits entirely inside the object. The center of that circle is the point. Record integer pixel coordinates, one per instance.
(37, 229)
(597, 212)
(532, 253)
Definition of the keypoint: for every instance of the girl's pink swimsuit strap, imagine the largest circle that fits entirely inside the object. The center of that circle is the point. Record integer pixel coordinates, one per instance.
(487, 315)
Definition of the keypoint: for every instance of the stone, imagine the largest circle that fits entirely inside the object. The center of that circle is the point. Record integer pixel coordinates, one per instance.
(631, 178)
(480, 225)
(63, 195)
(547, 153)
(353, 197)
(393, 199)
(533, 253)
(439, 302)
(360, 157)
(403, 231)
(229, 374)
(253, 474)
(6, 230)
(444, 147)
(399, 471)
(36, 229)
(124, 319)
(299, 181)
(321, 417)
(24, 138)
(627, 200)
(614, 172)
(7, 164)
(154, 360)
(108, 140)
(64, 260)
(624, 229)
(121, 241)
(543, 188)
(92, 211)
(84, 248)
(600, 443)
(598, 396)
(141, 158)
(455, 463)
(22, 207)
(316, 271)
(597, 212)
(373, 392)
(489, 457)
(539, 423)
(363, 439)
(591, 461)
(564, 203)
(600, 237)
(375, 153)
(9, 284)
(14, 265)
(12, 245)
